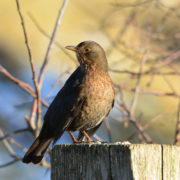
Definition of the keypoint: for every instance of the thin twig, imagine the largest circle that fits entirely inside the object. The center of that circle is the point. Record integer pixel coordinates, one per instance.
(144, 73)
(31, 61)
(14, 133)
(168, 83)
(177, 134)
(46, 59)
(7, 145)
(41, 30)
(168, 94)
(33, 117)
(153, 120)
(108, 129)
(169, 59)
(43, 163)
(133, 120)
(24, 86)
(129, 5)
(146, 126)
(11, 162)
(58, 21)
(137, 89)
(16, 144)
(56, 84)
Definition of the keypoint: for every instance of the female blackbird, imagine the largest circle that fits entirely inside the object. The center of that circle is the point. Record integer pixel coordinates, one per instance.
(81, 105)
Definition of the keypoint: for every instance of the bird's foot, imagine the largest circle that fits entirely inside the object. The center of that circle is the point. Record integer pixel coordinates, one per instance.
(87, 136)
(73, 137)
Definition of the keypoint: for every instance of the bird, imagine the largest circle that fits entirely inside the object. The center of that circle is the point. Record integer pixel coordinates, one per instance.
(81, 105)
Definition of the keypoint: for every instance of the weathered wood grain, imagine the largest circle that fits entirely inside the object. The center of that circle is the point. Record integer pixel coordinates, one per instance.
(140, 162)
(115, 162)
(76, 162)
(171, 162)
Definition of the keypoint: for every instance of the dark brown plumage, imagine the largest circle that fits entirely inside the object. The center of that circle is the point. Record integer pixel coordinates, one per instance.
(82, 104)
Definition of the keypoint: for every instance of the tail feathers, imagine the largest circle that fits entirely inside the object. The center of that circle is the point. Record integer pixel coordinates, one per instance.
(36, 151)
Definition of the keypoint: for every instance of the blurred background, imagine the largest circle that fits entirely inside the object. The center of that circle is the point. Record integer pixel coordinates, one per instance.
(142, 43)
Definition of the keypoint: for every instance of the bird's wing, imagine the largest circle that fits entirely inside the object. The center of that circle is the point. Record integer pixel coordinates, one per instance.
(64, 107)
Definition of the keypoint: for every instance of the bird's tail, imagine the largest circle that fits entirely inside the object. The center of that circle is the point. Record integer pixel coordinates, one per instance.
(36, 151)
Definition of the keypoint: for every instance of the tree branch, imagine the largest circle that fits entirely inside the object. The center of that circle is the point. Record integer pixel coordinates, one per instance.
(31, 63)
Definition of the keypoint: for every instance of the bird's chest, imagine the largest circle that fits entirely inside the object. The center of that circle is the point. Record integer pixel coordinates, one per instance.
(97, 88)
(99, 94)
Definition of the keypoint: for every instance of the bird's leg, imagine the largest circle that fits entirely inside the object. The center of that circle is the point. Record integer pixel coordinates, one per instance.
(87, 136)
(73, 137)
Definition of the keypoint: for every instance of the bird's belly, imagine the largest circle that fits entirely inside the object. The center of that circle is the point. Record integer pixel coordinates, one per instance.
(94, 110)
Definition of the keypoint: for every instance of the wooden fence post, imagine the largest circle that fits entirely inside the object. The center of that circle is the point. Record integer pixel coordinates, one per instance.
(115, 162)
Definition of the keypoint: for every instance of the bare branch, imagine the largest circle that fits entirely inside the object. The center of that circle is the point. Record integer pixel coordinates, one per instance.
(168, 83)
(46, 59)
(31, 61)
(11, 162)
(133, 120)
(108, 129)
(153, 120)
(128, 5)
(16, 144)
(14, 133)
(56, 84)
(151, 72)
(177, 134)
(58, 21)
(168, 94)
(146, 126)
(7, 145)
(137, 89)
(43, 163)
(24, 86)
(41, 30)
(169, 59)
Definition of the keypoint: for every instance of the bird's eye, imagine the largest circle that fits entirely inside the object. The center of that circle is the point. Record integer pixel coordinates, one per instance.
(86, 50)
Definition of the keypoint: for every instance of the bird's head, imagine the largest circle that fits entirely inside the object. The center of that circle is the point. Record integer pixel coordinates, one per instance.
(90, 53)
